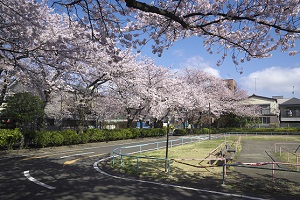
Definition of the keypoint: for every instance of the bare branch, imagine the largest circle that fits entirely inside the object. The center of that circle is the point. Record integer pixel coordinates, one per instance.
(152, 9)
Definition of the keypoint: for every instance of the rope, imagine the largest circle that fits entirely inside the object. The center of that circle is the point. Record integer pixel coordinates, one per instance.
(197, 166)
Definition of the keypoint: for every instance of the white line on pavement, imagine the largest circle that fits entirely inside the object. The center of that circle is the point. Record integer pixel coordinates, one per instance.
(29, 177)
(95, 165)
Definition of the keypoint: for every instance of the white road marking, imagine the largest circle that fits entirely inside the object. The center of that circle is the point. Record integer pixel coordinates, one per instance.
(95, 165)
(78, 154)
(29, 177)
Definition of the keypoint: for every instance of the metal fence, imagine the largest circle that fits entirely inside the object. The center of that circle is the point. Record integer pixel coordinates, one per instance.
(260, 166)
(127, 151)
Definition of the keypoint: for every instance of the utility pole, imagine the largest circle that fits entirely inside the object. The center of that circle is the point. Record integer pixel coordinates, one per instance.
(293, 91)
(255, 85)
(167, 147)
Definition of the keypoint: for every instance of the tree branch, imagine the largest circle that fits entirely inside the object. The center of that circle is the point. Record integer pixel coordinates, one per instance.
(152, 9)
(240, 18)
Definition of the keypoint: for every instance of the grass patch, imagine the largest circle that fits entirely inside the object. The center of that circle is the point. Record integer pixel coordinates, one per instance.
(196, 173)
(190, 163)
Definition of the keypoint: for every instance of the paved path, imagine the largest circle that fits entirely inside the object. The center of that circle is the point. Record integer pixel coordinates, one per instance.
(254, 151)
(67, 173)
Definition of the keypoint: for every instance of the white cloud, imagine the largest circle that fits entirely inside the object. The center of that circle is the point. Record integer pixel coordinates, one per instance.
(199, 63)
(273, 81)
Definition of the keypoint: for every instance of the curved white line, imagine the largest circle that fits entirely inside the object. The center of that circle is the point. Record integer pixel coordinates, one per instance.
(95, 165)
(29, 177)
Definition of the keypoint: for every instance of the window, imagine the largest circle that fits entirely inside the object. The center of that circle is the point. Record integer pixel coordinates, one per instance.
(265, 120)
(265, 109)
(291, 112)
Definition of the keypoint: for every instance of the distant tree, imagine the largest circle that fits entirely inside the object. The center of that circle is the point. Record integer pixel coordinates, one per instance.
(26, 109)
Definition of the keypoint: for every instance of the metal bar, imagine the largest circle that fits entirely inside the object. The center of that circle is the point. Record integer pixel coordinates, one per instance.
(168, 167)
(297, 161)
(121, 160)
(137, 165)
(273, 171)
(223, 177)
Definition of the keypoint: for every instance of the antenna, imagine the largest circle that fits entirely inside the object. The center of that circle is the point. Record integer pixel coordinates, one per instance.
(255, 85)
(293, 91)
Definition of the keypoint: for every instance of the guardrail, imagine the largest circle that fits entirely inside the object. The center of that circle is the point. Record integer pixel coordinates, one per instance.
(127, 151)
(262, 133)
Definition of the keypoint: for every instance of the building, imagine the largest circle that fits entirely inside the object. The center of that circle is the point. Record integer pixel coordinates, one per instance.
(268, 110)
(231, 84)
(290, 113)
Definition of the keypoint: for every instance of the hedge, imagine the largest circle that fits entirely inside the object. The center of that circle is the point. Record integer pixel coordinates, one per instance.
(71, 137)
(9, 138)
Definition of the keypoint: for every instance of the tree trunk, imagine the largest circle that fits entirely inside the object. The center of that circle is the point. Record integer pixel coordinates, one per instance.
(129, 122)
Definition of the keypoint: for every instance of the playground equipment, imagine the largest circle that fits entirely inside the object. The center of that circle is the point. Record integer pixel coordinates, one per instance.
(224, 150)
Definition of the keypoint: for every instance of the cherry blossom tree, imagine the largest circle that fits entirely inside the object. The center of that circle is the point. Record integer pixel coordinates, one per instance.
(241, 29)
(34, 42)
(200, 89)
(137, 92)
(42, 48)
(82, 52)
(205, 94)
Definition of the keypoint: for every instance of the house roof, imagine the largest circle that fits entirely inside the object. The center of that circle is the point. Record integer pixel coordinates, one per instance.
(262, 97)
(281, 101)
(292, 101)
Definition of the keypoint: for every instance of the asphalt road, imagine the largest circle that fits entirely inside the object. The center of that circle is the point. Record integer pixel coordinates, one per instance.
(68, 173)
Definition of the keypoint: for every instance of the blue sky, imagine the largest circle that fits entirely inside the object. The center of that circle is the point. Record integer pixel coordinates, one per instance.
(275, 76)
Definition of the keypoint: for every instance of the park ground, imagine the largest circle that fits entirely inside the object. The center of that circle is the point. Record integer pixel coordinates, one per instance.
(254, 181)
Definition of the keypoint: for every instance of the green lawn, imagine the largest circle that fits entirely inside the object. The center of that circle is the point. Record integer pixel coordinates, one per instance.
(198, 172)
(185, 160)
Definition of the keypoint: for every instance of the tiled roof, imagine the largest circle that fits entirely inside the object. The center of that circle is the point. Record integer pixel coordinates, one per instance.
(261, 97)
(292, 101)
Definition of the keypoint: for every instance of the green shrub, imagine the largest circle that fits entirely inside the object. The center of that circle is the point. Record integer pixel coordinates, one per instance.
(199, 131)
(181, 131)
(85, 137)
(96, 135)
(70, 137)
(56, 139)
(111, 135)
(136, 133)
(128, 133)
(42, 138)
(124, 134)
(30, 137)
(153, 132)
(158, 132)
(9, 137)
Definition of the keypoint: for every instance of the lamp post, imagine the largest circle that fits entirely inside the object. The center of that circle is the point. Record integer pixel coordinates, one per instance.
(167, 145)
